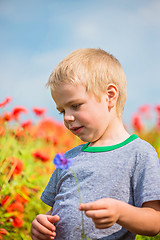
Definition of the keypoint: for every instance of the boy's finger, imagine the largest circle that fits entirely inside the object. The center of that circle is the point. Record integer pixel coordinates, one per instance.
(53, 219)
(91, 206)
(86, 206)
(97, 214)
(44, 224)
(41, 230)
(41, 233)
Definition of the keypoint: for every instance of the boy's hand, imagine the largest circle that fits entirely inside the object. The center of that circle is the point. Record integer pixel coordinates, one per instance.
(104, 212)
(43, 227)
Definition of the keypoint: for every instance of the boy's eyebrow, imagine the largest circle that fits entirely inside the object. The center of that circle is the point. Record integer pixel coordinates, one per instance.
(69, 103)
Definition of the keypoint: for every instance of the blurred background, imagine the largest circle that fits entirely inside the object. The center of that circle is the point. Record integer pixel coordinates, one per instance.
(36, 35)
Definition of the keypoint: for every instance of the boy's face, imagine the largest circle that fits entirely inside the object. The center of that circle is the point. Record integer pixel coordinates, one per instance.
(83, 114)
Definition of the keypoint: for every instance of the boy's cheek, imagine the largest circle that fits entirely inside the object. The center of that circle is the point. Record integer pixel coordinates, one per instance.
(66, 125)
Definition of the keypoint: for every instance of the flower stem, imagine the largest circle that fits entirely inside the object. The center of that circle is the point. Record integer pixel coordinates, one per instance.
(83, 235)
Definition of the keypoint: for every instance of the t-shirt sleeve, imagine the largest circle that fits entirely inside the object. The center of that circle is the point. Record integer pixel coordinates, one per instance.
(49, 193)
(146, 176)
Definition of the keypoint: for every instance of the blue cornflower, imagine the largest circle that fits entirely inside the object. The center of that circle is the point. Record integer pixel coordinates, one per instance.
(61, 161)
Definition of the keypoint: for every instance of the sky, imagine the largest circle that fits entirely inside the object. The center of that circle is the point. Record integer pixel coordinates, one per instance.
(35, 35)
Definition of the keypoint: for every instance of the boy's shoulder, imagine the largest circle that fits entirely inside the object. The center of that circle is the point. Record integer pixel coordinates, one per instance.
(142, 145)
(144, 152)
(74, 151)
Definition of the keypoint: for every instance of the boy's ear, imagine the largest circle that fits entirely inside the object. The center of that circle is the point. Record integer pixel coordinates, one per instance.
(112, 94)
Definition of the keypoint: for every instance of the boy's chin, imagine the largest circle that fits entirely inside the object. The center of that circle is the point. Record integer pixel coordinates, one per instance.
(83, 139)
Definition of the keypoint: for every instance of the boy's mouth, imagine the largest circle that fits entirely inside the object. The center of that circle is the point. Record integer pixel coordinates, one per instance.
(76, 130)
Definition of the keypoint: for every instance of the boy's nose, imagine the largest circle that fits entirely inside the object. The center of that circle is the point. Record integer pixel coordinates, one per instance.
(68, 117)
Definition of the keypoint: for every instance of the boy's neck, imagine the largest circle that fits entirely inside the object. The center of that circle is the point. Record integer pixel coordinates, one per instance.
(115, 134)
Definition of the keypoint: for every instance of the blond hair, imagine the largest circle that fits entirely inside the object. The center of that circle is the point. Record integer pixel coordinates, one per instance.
(93, 68)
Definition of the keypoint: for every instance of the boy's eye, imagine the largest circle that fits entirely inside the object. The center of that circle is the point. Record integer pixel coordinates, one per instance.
(76, 106)
(73, 107)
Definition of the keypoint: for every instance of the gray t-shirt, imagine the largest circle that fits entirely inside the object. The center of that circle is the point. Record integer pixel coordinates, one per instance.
(128, 171)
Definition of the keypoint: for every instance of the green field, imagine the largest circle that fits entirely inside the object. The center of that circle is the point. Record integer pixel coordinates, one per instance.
(26, 153)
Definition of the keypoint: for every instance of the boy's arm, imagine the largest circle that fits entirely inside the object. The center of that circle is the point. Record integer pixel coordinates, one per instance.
(144, 220)
(107, 211)
(43, 226)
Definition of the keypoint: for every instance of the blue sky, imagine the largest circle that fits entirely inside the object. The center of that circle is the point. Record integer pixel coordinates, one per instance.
(36, 35)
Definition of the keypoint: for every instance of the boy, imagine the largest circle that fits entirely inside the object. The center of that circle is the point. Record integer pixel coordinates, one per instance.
(118, 174)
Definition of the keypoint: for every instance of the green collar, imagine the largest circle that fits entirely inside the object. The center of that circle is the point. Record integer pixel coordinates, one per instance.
(86, 148)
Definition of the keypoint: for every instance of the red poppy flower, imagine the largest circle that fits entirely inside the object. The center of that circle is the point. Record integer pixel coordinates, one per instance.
(145, 110)
(15, 206)
(158, 116)
(25, 190)
(158, 108)
(19, 133)
(158, 123)
(17, 222)
(3, 231)
(7, 100)
(19, 165)
(45, 128)
(40, 154)
(17, 110)
(53, 139)
(5, 200)
(21, 199)
(137, 122)
(26, 124)
(2, 131)
(39, 111)
(49, 127)
(7, 116)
